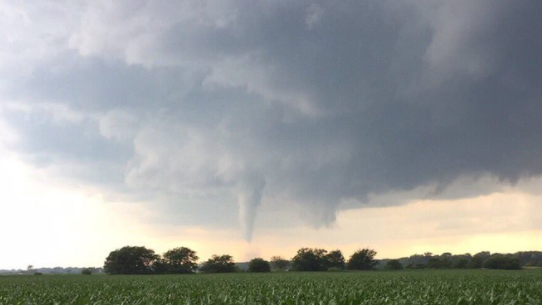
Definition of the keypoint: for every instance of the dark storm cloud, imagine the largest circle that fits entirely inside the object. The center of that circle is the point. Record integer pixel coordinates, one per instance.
(310, 103)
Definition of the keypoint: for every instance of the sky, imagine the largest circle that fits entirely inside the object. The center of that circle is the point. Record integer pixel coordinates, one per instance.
(255, 128)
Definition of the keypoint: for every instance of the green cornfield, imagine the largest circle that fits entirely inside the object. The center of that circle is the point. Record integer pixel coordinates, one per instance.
(399, 287)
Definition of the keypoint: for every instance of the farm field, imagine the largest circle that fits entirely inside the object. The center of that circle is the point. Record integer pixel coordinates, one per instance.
(399, 287)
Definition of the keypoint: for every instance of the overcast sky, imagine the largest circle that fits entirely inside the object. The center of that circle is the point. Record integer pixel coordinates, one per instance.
(246, 126)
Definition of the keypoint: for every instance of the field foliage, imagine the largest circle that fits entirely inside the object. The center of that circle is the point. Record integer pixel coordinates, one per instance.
(398, 287)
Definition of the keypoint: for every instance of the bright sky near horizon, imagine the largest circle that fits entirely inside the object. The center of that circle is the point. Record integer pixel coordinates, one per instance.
(255, 128)
(51, 225)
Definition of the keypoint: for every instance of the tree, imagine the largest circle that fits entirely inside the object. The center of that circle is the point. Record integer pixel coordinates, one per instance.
(461, 261)
(446, 260)
(160, 266)
(279, 263)
(180, 260)
(529, 258)
(130, 260)
(86, 271)
(259, 265)
(418, 261)
(443, 261)
(335, 259)
(308, 259)
(500, 261)
(435, 263)
(219, 264)
(394, 264)
(362, 260)
(478, 259)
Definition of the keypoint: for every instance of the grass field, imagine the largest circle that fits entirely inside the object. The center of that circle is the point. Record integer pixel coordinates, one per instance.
(401, 287)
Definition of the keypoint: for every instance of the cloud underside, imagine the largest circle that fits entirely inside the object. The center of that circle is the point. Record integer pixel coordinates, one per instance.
(200, 104)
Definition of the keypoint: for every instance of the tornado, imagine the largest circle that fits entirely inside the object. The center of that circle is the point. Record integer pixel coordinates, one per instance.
(249, 197)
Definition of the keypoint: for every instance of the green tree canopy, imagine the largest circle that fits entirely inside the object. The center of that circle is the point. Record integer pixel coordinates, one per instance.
(130, 260)
(219, 264)
(180, 260)
(335, 259)
(461, 261)
(310, 259)
(500, 261)
(478, 259)
(439, 262)
(394, 264)
(259, 265)
(362, 260)
(279, 263)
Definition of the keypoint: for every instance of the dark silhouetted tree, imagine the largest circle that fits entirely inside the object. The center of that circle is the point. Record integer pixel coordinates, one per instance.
(362, 260)
(181, 260)
(335, 259)
(461, 261)
(131, 260)
(443, 261)
(500, 261)
(418, 261)
(218, 264)
(478, 259)
(529, 258)
(160, 267)
(394, 264)
(259, 265)
(308, 259)
(279, 263)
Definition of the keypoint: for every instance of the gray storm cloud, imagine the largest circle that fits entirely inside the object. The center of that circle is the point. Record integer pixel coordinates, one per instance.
(316, 104)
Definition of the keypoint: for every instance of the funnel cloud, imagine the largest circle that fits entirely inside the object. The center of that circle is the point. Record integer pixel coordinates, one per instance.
(204, 109)
(249, 197)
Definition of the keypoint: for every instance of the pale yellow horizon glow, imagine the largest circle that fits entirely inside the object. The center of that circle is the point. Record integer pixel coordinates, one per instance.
(48, 224)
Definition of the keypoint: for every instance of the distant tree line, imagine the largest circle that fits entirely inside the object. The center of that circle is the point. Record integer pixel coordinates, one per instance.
(182, 260)
(55, 270)
(141, 260)
(314, 259)
(482, 259)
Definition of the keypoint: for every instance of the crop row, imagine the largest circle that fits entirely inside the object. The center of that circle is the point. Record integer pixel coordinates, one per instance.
(416, 287)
